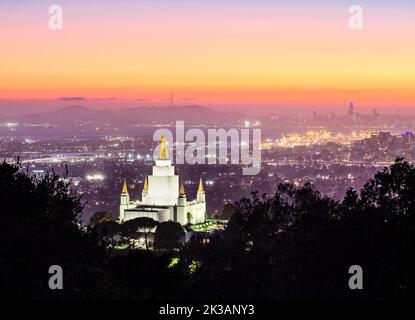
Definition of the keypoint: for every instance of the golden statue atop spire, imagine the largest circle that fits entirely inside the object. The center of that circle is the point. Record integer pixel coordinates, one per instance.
(181, 192)
(124, 188)
(163, 149)
(200, 185)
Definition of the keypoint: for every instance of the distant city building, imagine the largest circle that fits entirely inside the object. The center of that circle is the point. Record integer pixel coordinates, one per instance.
(162, 197)
(351, 110)
(407, 142)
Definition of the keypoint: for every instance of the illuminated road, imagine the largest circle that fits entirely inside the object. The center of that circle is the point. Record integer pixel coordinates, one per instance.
(60, 159)
(90, 158)
(321, 162)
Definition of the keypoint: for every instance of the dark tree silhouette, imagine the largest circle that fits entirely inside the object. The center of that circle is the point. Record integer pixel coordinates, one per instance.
(129, 229)
(294, 244)
(227, 211)
(106, 231)
(168, 235)
(132, 228)
(146, 225)
(100, 217)
(297, 244)
(41, 228)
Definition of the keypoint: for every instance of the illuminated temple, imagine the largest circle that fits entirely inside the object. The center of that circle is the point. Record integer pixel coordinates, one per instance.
(164, 197)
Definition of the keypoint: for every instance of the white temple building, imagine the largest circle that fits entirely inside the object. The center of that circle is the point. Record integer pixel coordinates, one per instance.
(162, 199)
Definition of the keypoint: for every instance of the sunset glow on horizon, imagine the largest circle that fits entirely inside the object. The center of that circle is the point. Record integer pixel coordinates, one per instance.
(210, 52)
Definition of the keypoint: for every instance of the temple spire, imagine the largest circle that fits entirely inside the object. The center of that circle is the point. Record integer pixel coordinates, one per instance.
(181, 192)
(200, 185)
(163, 149)
(124, 188)
(145, 184)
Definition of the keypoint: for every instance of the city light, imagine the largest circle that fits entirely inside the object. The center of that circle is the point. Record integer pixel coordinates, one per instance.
(315, 138)
(12, 124)
(95, 177)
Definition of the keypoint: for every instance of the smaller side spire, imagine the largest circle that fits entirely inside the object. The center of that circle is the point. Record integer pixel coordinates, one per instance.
(201, 197)
(124, 188)
(145, 184)
(200, 189)
(181, 191)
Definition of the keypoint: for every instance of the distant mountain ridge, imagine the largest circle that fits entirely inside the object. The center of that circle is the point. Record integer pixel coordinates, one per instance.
(140, 115)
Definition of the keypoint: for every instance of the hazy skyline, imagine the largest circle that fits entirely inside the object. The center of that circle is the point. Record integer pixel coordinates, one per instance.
(223, 54)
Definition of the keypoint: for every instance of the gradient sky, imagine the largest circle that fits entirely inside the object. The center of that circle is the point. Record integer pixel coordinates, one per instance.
(231, 54)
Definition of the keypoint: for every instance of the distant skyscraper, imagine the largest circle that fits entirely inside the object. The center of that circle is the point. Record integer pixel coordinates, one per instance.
(407, 140)
(351, 110)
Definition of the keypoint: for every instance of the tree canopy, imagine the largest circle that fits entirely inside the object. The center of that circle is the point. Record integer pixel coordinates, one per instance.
(168, 235)
(300, 244)
(293, 244)
(41, 222)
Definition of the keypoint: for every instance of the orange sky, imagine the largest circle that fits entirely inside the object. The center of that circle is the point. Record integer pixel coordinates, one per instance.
(212, 53)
